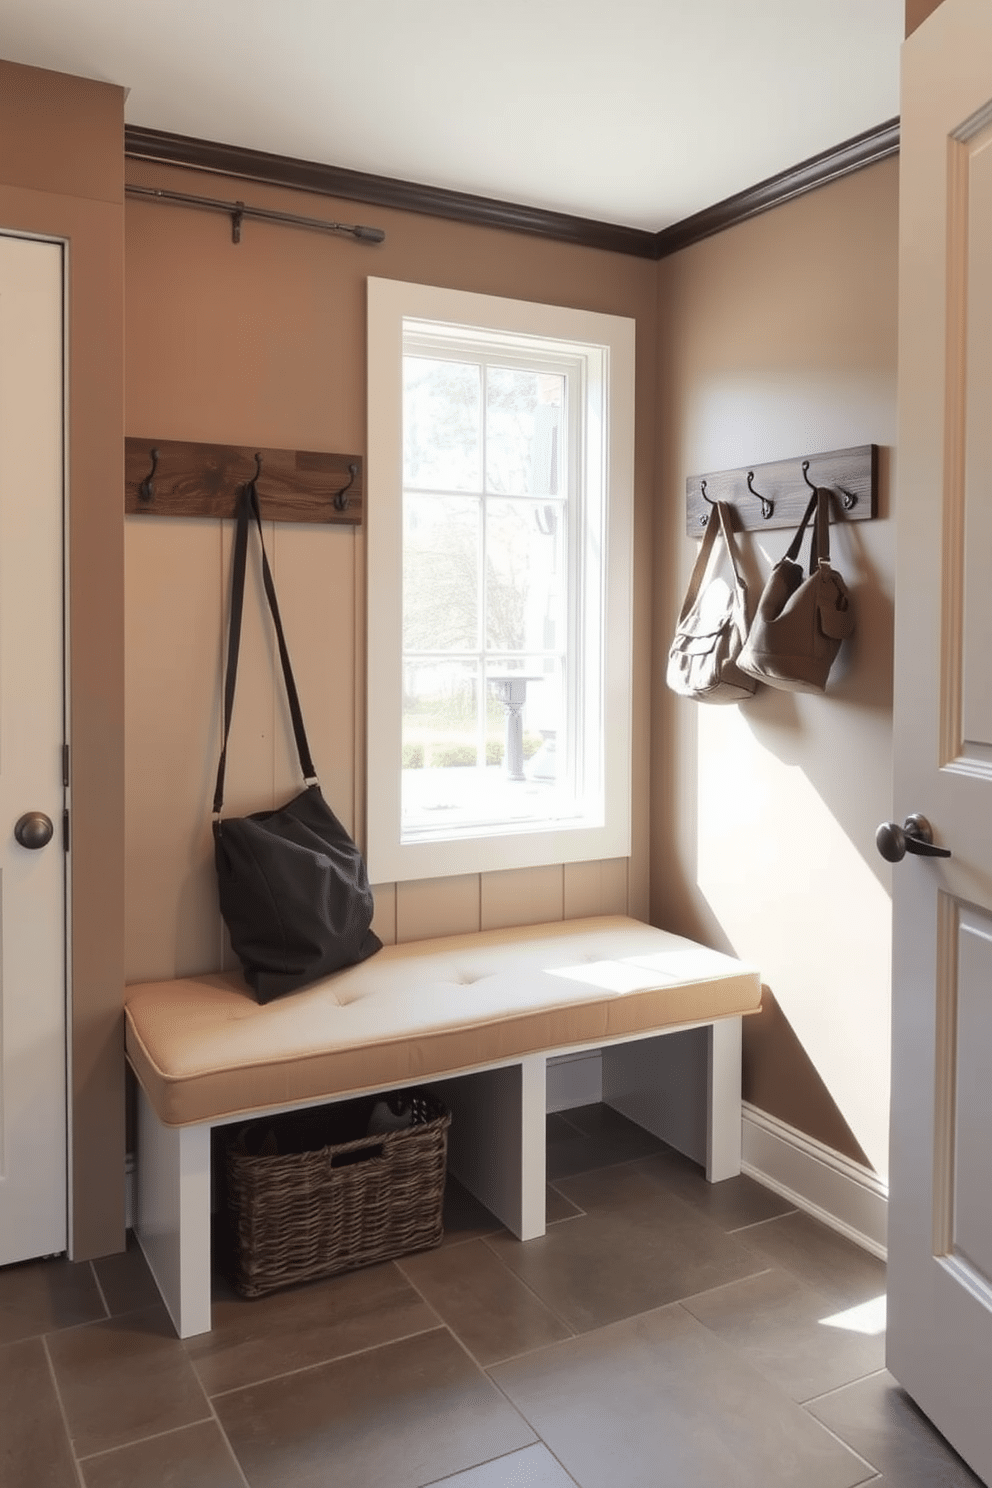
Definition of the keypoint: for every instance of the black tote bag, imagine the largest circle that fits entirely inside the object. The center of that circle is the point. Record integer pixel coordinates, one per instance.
(292, 883)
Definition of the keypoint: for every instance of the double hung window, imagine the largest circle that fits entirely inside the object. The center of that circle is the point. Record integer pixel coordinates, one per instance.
(499, 583)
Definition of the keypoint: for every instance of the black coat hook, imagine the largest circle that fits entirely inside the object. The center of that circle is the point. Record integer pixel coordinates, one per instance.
(705, 516)
(767, 507)
(341, 502)
(849, 499)
(147, 489)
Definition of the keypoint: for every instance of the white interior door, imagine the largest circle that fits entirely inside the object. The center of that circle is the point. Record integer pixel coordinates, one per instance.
(32, 877)
(940, 1218)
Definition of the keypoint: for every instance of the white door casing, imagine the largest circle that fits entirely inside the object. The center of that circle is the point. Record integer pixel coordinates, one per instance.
(33, 1167)
(940, 1214)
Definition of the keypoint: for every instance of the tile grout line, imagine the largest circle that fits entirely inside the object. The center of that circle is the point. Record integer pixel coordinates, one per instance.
(140, 1440)
(61, 1405)
(846, 1445)
(753, 1225)
(527, 1287)
(228, 1444)
(723, 1286)
(439, 1327)
(814, 1399)
(464, 1346)
(101, 1293)
(498, 1387)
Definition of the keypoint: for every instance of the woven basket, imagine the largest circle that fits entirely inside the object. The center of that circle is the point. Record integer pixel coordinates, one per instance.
(321, 1205)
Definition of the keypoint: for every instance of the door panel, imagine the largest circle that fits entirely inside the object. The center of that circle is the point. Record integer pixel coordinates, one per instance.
(32, 881)
(971, 1215)
(940, 1217)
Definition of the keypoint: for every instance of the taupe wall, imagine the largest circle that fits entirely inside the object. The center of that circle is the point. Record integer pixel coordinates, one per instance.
(775, 337)
(917, 12)
(264, 342)
(778, 337)
(61, 175)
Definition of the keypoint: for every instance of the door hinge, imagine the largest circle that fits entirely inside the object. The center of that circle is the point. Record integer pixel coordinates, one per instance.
(65, 765)
(65, 831)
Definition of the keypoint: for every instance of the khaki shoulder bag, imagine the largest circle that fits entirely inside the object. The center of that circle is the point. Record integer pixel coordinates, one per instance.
(800, 622)
(702, 659)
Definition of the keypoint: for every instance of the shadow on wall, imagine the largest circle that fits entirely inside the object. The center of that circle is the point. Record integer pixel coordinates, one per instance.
(851, 776)
(779, 1077)
(777, 804)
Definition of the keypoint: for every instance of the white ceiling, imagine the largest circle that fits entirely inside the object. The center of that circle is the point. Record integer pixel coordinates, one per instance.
(637, 112)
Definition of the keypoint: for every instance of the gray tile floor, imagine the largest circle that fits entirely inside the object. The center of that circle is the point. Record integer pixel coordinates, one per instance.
(663, 1334)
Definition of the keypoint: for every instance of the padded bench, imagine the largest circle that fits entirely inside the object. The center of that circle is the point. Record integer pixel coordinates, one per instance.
(478, 1017)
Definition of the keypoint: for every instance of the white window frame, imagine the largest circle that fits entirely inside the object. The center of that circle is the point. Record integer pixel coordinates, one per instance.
(390, 303)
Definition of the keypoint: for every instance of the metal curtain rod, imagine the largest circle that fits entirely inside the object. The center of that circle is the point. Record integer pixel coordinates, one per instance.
(237, 211)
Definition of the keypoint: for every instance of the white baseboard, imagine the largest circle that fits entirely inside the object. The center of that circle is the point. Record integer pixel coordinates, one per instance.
(845, 1195)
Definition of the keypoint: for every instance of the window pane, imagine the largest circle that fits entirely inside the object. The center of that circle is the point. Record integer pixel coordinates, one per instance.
(440, 738)
(442, 441)
(525, 595)
(525, 715)
(523, 432)
(441, 567)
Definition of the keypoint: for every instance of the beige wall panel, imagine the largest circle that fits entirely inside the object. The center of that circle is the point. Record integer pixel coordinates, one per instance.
(778, 338)
(264, 342)
(61, 175)
(438, 906)
(522, 896)
(173, 597)
(595, 888)
(314, 569)
(384, 919)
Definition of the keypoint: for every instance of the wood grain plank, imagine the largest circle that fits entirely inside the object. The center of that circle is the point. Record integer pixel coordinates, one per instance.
(847, 472)
(190, 479)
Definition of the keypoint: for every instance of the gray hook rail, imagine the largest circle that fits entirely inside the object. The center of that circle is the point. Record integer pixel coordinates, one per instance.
(776, 494)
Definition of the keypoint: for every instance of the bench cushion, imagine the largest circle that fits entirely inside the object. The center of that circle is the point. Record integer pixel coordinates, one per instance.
(204, 1050)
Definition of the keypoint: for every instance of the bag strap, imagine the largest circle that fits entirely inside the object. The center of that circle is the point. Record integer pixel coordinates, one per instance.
(819, 550)
(705, 553)
(247, 509)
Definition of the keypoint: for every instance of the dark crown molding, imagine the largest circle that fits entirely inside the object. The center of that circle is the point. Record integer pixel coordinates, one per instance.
(852, 155)
(460, 206)
(381, 191)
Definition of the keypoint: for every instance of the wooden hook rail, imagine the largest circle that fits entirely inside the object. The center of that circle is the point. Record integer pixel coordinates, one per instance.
(177, 478)
(776, 494)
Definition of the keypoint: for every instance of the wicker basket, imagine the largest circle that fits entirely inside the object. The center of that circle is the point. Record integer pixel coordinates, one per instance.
(330, 1199)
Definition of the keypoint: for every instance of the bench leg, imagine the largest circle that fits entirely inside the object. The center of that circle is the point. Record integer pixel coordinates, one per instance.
(172, 1221)
(684, 1087)
(723, 1100)
(496, 1144)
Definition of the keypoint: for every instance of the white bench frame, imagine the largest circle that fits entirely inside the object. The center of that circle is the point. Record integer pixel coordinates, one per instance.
(496, 1142)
